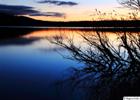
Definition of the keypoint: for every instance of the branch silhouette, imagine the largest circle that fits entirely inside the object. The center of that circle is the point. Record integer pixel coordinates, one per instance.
(107, 67)
(133, 4)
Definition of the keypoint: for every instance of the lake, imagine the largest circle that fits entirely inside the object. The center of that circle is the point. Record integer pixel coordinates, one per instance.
(30, 65)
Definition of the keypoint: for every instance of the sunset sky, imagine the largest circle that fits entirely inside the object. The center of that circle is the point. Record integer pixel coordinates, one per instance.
(64, 10)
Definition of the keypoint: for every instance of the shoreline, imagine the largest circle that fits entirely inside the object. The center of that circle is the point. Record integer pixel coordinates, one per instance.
(72, 28)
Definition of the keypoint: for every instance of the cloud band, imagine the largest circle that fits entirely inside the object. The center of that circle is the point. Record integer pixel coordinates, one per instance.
(59, 3)
(26, 10)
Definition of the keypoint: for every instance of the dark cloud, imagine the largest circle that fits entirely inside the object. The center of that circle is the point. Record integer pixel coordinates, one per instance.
(59, 3)
(26, 10)
(51, 14)
(17, 10)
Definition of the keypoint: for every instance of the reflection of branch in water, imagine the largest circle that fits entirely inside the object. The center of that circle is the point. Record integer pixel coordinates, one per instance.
(106, 66)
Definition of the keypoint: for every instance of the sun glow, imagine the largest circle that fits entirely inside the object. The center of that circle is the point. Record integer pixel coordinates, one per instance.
(115, 14)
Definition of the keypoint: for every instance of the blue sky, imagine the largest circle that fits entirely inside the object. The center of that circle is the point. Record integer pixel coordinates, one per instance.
(62, 9)
(95, 3)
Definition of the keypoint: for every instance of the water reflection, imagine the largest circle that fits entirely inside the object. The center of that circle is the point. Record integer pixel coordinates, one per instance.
(9, 32)
(108, 66)
(28, 68)
(18, 41)
(101, 65)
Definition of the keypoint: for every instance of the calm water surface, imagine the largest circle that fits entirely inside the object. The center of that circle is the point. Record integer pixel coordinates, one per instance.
(30, 65)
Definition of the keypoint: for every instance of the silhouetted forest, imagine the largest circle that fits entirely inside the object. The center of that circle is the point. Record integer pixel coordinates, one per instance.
(10, 20)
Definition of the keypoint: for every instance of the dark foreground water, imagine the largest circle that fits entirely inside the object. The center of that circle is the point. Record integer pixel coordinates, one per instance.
(30, 66)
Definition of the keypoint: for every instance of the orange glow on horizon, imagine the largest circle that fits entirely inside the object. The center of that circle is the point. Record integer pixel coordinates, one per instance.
(117, 14)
